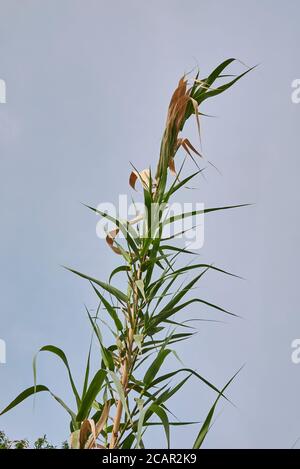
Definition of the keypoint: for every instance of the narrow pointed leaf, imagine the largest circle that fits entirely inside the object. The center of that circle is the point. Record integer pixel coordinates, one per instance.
(30, 392)
(111, 311)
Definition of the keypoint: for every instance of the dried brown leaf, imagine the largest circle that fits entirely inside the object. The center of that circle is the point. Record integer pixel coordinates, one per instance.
(110, 240)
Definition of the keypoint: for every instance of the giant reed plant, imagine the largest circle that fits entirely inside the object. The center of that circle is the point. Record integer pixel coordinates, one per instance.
(115, 407)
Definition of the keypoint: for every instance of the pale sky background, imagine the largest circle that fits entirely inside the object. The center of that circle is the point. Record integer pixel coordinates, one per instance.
(88, 83)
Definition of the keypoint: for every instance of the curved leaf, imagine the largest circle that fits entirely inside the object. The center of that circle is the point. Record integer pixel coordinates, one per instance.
(90, 395)
(111, 311)
(206, 425)
(33, 390)
(60, 353)
(155, 366)
(191, 372)
(121, 268)
(159, 411)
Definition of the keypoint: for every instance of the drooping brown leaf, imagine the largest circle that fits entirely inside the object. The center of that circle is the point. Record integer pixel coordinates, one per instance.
(143, 176)
(186, 144)
(172, 167)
